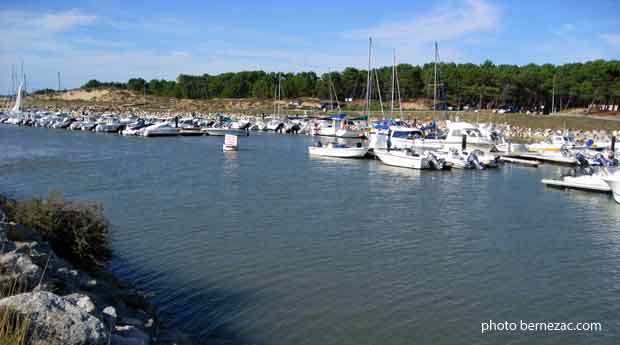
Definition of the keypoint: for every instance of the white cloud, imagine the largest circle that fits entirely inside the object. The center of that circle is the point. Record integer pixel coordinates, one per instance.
(446, 23)
(611, 39)
(46, 23)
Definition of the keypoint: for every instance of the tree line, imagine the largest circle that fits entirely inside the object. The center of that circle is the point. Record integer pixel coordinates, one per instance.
(484, 85)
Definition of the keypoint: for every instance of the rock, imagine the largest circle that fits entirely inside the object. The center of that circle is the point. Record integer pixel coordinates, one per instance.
(109, 316)
(56, 321)
(130, 335)
(21, 233)
(2, 231)
(81, 301)
(18, 267)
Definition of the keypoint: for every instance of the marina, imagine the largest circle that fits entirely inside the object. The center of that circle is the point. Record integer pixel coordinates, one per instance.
(274, 173)
(225, 277)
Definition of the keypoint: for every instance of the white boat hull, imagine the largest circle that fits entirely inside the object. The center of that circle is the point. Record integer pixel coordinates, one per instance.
(614, 184)
(220, 132)
(339, 152)
(402, 159)
(587, 182)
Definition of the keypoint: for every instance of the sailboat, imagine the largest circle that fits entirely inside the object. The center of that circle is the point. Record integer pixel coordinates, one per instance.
(15, 114)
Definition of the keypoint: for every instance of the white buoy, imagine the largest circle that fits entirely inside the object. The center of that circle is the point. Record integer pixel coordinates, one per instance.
(231, 143)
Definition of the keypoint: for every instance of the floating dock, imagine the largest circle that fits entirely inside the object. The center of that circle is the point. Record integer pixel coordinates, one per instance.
(526, 162)
(544, 158)
(575, 185)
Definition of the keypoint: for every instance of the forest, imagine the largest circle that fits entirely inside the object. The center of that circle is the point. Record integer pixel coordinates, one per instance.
(485, 85)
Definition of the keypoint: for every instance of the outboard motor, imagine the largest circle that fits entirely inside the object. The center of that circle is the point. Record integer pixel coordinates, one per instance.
(581, 159)
(434, 162)
(473, 160)
(600, 159)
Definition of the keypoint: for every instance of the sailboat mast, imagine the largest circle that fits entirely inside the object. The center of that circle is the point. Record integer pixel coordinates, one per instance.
(368, 81)
(553, 97)
(435, 84)
(275, 96)
(393, 79)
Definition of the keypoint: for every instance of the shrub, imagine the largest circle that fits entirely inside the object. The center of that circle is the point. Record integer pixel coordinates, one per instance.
(77, 231)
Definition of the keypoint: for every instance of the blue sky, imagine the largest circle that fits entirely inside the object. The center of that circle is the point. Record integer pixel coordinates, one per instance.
(116, 40)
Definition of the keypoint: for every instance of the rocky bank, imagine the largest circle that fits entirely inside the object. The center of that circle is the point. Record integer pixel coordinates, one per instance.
(69, 306)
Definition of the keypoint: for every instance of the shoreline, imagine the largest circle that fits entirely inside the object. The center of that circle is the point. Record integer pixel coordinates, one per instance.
(68, 305)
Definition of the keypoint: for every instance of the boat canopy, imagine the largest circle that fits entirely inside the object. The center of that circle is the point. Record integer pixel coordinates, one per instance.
(385, 124)
(339, 116)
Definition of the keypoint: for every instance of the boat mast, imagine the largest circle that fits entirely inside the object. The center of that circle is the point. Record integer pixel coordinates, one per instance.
(393, 79)
(553, 97)
(379, 92)
(435, 83)
(331, 96)
(279, 93)
(368, 80)
(400, 103)
(275, 96)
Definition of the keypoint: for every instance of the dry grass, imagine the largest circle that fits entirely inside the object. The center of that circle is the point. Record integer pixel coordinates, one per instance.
(14, 327)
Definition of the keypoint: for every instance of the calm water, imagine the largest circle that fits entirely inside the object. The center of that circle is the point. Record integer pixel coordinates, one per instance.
(270, 246)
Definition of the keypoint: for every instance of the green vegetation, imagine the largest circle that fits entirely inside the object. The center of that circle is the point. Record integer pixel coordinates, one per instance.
(78, 232)
(486, 85)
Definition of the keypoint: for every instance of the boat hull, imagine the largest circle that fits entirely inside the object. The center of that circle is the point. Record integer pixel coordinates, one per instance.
(614, 185)
(402, 160)
(338, 152)
(220, 132)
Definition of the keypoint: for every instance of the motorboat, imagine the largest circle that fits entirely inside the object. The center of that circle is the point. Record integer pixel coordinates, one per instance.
(222, 131)
(461, 159)
(161, 129)
(400, 138)
(135, 128)
(189, 127)
(108, 124)
(340, 127)
(258, 126)
(274, 125)
(474, 137)
(411, 159)
(500, 144)
(338, 150)
(613, 181)
(553, 143)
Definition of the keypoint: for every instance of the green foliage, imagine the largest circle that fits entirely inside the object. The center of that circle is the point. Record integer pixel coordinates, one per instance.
(485, 85)
(78, 232)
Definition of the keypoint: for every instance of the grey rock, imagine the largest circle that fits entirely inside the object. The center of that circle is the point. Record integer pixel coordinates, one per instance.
(55, 321)
(21, 233)
(81, 301)
(18, 267)
(109, 316)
